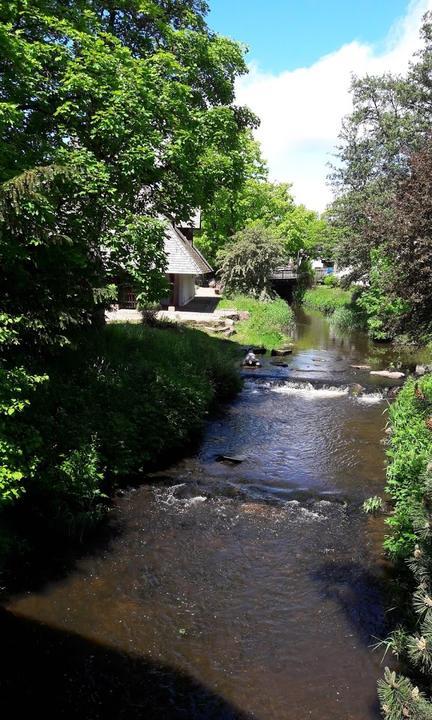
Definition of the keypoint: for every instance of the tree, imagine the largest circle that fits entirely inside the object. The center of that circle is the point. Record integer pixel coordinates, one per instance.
(379, 184)
(131, 112)
(409, 243)
(248, 260)
(259, 200)
(111, 115)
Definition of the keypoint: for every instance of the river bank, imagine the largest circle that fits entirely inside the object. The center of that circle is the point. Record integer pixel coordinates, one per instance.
(346, 311)
(409, 543)
(122, 401)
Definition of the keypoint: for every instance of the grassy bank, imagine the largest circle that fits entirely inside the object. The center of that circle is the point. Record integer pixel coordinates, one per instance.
(326, 299)
(410, 450)
(270, 323)
(409, 484)
(121, 402)
(339, 304)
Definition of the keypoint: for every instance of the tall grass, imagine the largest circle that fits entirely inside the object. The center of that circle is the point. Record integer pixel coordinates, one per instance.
(326, 299)
(270, 323)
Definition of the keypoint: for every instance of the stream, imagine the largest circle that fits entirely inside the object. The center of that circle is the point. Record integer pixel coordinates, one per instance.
(231, 591)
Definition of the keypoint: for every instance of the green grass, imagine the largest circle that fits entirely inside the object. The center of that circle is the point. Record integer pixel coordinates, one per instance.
(348, 317)
(270, 322)
(409, 453)
(326, 299)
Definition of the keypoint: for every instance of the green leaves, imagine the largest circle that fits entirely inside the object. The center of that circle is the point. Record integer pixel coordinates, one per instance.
(247, 262)
(382, 184)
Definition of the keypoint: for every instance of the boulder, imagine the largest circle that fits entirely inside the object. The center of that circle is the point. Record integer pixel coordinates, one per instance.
(232, 459)
(222, 329)
(229, 316)
(423, 369)
(229, 332)
(282, 352)
(244, 315)
(393, 392)
(251, 360)
(361, 367)
(392, 374)
(356, 389)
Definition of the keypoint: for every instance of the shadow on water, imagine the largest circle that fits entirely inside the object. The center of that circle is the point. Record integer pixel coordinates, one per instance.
(63, 675)
(360, 593)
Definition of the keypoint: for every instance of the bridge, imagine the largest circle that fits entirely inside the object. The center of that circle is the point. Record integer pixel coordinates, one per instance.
(284, 279)
(284, 273)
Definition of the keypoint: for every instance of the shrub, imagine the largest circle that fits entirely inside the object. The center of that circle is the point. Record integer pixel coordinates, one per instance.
(373, 505)
(348, 317)
(383, 309)
(121, 401)
(409, 453)
(330, 281)
(247, 262)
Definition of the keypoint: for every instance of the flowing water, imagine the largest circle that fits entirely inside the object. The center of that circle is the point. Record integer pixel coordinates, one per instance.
(231, 590)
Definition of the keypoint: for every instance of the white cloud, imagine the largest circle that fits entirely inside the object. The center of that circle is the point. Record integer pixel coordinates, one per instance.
(301, 110)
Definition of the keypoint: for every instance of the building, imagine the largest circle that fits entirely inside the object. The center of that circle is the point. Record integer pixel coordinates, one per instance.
(185, 262)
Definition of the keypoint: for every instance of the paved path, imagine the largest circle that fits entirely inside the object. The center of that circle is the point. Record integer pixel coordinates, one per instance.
(202, 308)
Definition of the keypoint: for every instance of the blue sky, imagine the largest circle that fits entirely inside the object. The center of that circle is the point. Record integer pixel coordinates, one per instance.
(302, 55)
(286, 34)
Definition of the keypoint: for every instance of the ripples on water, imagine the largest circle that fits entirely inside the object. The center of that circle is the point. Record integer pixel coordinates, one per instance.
(248, 590)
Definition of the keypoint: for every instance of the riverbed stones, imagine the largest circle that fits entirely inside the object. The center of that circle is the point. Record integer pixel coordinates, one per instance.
(282, 352)
(422, 369)
(356, 389)
(392, 374)
(231, 459)
(393, 392)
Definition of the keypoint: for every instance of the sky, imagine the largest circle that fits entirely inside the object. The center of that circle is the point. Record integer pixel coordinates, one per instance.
(301, 57)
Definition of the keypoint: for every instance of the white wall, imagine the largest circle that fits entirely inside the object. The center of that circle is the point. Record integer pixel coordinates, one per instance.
(186, 291)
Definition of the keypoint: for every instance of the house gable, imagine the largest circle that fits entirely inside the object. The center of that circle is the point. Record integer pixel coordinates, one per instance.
(183, 257)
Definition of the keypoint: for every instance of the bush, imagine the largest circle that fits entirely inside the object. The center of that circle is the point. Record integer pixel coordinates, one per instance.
(410, 486)
(382, 309)
(348, 317)
(330, 281)
(247, 262)
(409, 453)
(373, 505)
(123, 400)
